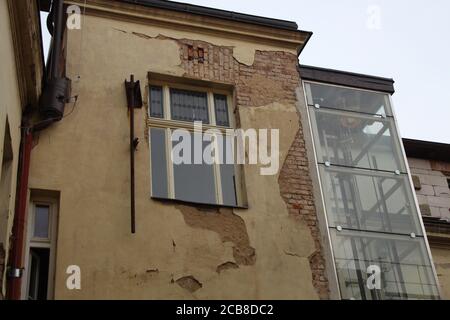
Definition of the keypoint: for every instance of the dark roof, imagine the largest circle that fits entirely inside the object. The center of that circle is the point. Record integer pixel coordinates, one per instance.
(344, 78)
(427, 150)
(217, 13)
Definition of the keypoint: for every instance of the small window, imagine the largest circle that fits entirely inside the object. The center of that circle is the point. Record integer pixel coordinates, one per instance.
(40, 250)
(213, 183)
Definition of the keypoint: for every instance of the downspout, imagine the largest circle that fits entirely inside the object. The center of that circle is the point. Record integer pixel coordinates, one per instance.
(55, 94)
(15, 280)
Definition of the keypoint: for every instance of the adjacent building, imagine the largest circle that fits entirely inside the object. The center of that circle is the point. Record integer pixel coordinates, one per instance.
(430, 169)
(102, 200)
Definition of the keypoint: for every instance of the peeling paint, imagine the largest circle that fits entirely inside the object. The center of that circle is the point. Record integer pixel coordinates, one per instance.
(189, 283)
(226, 266)
(229, 226)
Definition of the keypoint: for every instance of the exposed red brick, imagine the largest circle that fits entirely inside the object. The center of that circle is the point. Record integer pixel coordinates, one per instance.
(273, 77)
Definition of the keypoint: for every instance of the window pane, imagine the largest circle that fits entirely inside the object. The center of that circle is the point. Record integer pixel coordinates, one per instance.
(406, 271)
(354, 140)
(221, 110)
(368, 200)
(156, 102)
(41, 222)
(38, 273)
(349, 99)
(189, 105)
(194, 182)
(227, 172)
(159, 164)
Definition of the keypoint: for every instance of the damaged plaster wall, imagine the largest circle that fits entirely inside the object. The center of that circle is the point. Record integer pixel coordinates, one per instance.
(179, 251)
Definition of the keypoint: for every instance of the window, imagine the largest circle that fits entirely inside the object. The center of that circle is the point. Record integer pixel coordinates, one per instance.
(173, 107)
(40, 249)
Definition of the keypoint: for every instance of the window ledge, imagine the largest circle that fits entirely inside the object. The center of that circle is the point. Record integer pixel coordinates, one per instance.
(191, 203)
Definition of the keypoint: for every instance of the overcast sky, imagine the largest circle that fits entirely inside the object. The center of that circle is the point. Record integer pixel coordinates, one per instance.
(407, 40)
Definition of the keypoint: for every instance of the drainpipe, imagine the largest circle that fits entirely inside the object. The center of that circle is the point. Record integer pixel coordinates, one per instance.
(18, 239)
(55, 94)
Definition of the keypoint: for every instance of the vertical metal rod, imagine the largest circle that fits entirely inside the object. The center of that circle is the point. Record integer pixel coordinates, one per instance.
(131, 109)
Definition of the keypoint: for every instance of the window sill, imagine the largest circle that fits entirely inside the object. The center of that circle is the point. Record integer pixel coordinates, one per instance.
(191, 203)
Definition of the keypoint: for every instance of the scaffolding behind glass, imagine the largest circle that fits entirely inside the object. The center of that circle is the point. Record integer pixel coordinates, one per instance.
(377, 238)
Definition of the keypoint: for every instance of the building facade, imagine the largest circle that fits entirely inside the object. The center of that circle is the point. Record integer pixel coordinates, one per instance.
(328, 212)
(430, 169)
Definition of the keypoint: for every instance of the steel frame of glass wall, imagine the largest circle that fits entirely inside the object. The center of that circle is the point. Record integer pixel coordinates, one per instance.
(377, 237)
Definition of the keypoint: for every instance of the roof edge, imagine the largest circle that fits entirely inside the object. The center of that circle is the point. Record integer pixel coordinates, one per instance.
(217, 13)
(346, 78)
(427, 150)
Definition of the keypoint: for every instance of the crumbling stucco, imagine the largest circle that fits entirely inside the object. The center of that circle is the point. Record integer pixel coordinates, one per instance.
(189, 283)
(229, 226)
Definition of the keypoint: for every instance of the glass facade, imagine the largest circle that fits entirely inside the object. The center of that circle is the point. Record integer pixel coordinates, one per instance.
(376, 236)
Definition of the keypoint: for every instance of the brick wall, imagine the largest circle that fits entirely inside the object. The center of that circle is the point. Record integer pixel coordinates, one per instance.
(432, 188)
(273, 77)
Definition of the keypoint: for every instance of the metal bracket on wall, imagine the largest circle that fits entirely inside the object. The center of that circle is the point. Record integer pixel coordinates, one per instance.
(134, 100)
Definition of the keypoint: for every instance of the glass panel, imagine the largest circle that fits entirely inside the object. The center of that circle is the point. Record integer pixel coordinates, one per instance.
(38, 273)
(227, 172)
(405, 269)
(189, 105)
(368, 200)
(353, 140)
(41, 222)
(156, 102)
(33, 284)
(159, 164)
(221, 110)
(194, 182)
(348, 99)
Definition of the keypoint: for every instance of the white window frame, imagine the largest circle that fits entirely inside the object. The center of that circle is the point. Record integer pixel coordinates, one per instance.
(168, 124)
(49, 243)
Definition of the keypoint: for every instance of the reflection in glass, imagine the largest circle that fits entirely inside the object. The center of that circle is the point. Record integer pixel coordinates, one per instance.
(227, 171)
(221, 110)
(156, 102)
(41, 221)
(348, 99)
(159, 163)
(189, 105)
(367, 200)
(353, 140)
(194, 182)
(406, 271)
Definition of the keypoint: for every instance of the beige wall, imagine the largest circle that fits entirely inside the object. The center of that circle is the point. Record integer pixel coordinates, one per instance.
(10, 109)
(86, 158)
